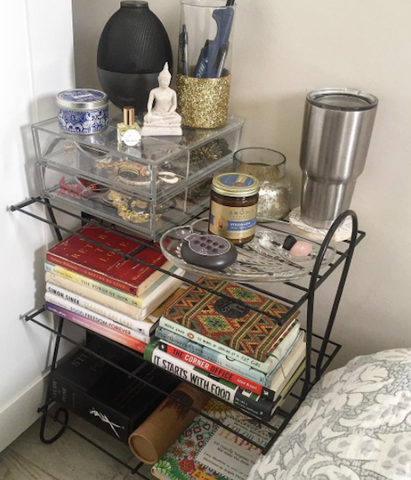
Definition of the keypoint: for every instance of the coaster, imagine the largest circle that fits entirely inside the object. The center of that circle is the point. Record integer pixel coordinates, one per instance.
(343, 231)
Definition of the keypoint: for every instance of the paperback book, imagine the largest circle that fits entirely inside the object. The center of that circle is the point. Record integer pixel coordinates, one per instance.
(134, 307)
(229, 391)
(229, 327)
(265, 367)
(250, 402)
(115, 335)
(95, 317)
(217, 371)
(230, 363)
(143, 328)
(90, 260)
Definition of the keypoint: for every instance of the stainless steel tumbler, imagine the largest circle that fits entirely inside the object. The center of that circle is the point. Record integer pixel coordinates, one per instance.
(337, 130)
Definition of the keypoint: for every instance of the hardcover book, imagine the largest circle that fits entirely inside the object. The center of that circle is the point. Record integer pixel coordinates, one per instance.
(231, 325)
(105, 396)
(85, 257)
(205, 451)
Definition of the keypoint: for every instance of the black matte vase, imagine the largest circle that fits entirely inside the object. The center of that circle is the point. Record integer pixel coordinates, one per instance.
(132, 51)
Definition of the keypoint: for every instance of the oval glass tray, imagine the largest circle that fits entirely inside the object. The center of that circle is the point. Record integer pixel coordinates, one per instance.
(261, 260)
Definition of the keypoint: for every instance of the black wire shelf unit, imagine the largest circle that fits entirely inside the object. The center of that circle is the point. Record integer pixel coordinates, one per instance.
(320, 349)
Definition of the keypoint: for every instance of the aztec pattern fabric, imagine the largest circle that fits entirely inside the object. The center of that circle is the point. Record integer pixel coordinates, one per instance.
(354, 425)
(236, 326)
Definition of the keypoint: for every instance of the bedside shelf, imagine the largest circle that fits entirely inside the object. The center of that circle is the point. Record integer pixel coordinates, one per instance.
(320, 350)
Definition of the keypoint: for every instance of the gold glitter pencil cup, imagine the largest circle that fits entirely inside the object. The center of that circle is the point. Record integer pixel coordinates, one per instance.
(204, 66)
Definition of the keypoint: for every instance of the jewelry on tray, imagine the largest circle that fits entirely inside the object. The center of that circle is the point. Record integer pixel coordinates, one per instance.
(132, 173)
(129, 209)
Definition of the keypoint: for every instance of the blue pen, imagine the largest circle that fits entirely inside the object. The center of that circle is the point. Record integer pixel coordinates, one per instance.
(209, 62)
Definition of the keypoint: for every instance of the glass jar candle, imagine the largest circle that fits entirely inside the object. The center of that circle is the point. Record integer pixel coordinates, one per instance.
(233, 207)
(268, 166)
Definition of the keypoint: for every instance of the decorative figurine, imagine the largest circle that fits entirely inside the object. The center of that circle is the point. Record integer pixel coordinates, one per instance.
(162, 118)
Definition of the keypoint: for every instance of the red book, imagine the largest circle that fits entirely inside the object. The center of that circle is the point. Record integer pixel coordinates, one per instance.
(87, 259)
(212, 368)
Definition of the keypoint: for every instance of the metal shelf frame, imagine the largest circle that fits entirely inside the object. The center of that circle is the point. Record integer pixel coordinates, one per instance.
(320, 350)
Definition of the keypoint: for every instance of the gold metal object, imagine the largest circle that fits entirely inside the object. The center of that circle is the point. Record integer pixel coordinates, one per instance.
(203, 102)
(129, 116)
(129, 209)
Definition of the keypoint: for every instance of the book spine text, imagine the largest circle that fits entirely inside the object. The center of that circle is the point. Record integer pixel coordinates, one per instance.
(88, 272)
(264, 367)
(212, 356)
(143, 328)
(130, 342)
(95, 317)
(216, 370)
(248, 401)
(90, 283)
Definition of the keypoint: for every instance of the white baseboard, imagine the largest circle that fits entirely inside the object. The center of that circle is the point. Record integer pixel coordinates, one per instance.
(21, 412)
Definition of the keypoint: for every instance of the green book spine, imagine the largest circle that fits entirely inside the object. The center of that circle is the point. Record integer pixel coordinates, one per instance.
(148, 351)
(264, 367)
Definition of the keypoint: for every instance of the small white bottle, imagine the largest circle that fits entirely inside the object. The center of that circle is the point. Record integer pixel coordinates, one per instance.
(128, 132)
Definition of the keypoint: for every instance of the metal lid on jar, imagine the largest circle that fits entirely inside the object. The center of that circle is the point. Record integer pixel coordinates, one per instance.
(82, 99)
(343, 99)
(235, 185)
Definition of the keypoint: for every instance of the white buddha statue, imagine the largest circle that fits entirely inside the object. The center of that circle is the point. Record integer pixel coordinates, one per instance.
(161, 117)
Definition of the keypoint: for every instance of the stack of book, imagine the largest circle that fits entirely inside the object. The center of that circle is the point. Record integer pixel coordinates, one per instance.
(106, 292)
(238, 354)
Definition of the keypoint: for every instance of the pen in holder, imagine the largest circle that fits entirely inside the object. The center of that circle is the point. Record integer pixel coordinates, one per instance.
(204, 62)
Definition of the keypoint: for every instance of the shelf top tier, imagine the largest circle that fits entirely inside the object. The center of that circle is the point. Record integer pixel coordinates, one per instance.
(158, 167)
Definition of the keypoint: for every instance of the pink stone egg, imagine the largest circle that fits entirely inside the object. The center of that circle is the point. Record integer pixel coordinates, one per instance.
(301, 249)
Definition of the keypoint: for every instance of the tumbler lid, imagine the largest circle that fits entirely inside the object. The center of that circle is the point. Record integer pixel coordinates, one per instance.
(343, 99)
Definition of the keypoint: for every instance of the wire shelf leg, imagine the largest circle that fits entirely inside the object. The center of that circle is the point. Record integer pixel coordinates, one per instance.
(60, 411)
(340, 289)
(311, 296)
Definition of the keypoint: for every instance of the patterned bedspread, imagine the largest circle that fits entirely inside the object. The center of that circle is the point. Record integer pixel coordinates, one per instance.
(354, 425)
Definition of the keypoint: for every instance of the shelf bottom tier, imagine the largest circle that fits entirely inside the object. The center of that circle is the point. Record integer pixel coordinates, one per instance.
(286, 407)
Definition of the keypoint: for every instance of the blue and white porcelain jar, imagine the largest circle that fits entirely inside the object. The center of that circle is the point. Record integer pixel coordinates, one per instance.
(82, 111)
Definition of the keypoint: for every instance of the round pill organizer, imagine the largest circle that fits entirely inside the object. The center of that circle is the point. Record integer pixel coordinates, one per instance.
(82, 111)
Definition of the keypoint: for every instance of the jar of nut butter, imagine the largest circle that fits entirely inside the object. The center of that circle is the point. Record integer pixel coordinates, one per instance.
(233, 207)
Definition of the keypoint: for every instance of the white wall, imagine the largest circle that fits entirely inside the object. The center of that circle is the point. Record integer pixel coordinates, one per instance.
(37, 62)
(282, 50)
